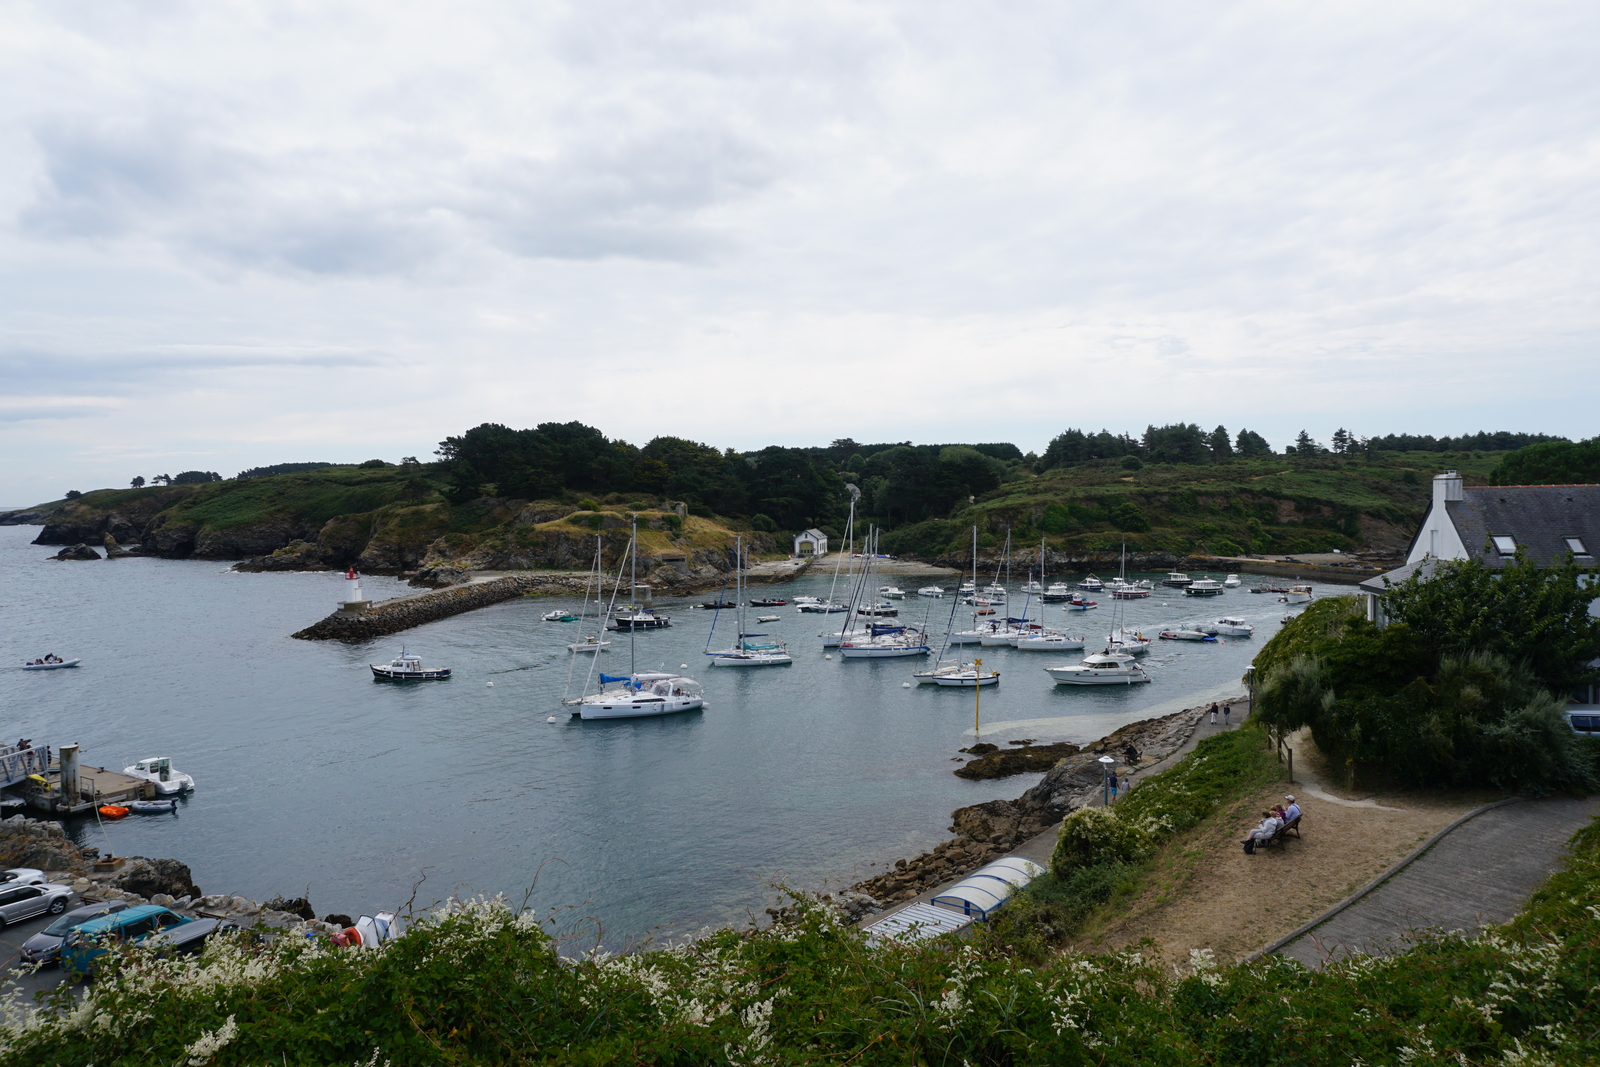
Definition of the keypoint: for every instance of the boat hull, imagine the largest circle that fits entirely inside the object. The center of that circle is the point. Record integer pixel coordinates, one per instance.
(388, 674)
(1076, 676)
(967, 681)
(752, 659)
(49, 666)
(1035, 644)
(884, 653)
(637, 709)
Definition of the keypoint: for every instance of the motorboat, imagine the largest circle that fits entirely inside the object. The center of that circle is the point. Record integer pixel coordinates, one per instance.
(1177, 580)
(967, 589)
(1056, 593)
(1297, 594)
(1077, 603)
(713, 605)
(1204, 587)
(1232, 626)
(822, 607)
(559, 615)
(1231, 581)
(768, 602)
(1091, 584)
(49, 664)
(638, 696)
(893, 592)
(1184, 633)
(1033, 588)
(590, 643)
(768, 618)
(407, 668)
(881, 610)
(931, 590)
(638, 619)
(1104, 668)
(801, 601)
(159, 772)
(994, 592)
(1048, 642)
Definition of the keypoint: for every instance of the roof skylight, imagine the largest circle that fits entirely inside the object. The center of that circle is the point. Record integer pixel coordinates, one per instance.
(1576, 545)
(1506, 546)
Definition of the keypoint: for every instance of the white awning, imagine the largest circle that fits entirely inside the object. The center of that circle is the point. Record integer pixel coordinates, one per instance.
(918, 922)
(989, 886)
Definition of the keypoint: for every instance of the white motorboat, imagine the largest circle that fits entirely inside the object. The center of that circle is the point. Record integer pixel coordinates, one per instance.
(158, 771)
(968, 588)
(1204, 587)
(1130, 590)
(1057, 592)
(408, 668)
(1048, 642)
(590, 643)
(1033, 588)
(823, 607)
(893, 592)
(1177, 580)
(1297, 594)
(52, 665)
(994, 593)
(1184, 633)
(1105, 668)
(1233, 626)
(639, 696)
(1231, 581)
(1091, 584)
(559, 615)
(802, 601)
(931, 590)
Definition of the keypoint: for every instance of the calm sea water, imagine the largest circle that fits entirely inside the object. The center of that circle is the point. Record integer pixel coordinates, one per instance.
(314, 779)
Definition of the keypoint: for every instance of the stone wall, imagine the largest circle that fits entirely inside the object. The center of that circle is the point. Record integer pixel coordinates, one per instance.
(402, 613)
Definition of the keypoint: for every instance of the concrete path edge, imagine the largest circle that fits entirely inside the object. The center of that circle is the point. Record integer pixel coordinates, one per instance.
(1407, 861)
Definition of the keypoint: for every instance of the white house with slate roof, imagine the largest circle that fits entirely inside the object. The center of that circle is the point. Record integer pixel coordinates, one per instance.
(811, 543)
(1490, 522)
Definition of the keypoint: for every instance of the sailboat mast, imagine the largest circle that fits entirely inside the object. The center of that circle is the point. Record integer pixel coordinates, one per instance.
(633, 580)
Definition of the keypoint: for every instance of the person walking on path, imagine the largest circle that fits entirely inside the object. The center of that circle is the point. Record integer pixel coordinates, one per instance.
(1227, 709)
(1113, 786)
(1213, 714)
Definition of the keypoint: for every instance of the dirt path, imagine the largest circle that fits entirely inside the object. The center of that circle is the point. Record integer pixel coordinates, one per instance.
(1209, 894)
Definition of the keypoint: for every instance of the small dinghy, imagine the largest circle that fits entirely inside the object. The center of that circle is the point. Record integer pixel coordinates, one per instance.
(767, 618)
(713, 605)
(152, 807)
(769, 602)
(407, 668)
(590, 643)
(49, 664)
(559, 615)
(113, 811)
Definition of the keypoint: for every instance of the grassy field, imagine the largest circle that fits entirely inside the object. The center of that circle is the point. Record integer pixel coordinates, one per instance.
(1272, 504)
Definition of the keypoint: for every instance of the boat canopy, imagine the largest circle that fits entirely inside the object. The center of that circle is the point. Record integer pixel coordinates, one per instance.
(917, 923)
(990, 886)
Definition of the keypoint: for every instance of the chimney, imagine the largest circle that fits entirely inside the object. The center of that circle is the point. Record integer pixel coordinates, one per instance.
(1446, 486)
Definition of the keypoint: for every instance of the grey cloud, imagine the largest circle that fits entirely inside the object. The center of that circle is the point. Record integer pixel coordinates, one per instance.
(38, 372)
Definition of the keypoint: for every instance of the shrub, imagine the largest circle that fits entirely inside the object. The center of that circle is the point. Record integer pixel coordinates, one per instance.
(589, 504)
(763, 523)
(73, 494)
(1056, 519)
(1128, 516)
(373, 464)
(1132, 463)
(1093, 836)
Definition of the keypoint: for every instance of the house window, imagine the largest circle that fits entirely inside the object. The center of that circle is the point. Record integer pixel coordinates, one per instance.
(1506, 546)
(1576, 545)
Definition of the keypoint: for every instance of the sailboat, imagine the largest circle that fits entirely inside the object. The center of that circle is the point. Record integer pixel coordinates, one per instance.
(1121, 639)
(881, 641)
(746, 651)
(637, 694)
(849, 631)
(973, 636)
(960, 675)
(591, 642)
(636, 617)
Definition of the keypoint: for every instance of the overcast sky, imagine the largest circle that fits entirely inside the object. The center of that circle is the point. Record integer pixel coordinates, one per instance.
(235, 234)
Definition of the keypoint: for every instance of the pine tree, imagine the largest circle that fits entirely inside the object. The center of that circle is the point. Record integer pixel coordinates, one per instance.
(1341, 441)
(1221, 449)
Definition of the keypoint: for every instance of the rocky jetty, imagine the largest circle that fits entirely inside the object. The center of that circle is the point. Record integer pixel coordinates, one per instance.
(988, 831)
(77, 551)
(995, 762)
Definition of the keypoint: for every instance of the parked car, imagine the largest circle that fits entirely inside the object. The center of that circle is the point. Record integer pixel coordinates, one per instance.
(85, 944)
(22, 876)
(189, 937)
(45, 946)
(1584, 722)
(18, 902)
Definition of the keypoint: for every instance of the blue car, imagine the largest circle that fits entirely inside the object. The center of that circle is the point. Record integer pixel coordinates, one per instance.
(86, 943)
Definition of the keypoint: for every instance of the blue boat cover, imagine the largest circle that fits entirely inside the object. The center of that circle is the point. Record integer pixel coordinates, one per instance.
(609, 678)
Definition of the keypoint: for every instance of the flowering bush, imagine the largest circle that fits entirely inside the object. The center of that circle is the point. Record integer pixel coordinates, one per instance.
(1092, 836)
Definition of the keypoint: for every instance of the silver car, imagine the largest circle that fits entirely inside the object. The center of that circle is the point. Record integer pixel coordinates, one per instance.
(45, 946)
(26, 901)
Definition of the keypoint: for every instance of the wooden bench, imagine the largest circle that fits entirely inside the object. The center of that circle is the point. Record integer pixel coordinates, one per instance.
(1282, 834)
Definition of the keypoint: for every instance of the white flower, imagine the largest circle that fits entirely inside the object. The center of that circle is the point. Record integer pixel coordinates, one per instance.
(211, 1042)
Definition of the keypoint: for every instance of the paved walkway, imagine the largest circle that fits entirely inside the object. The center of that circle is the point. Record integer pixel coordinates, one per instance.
(1478, 874)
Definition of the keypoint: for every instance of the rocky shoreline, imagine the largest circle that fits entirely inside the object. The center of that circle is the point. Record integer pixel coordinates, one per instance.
(44, 845)
(987, 831)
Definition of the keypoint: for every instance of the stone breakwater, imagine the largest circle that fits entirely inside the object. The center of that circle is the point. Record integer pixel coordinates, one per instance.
(402, 613)
(988, 831)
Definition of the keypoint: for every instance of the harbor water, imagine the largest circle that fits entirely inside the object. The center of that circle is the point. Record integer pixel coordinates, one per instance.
(314, 779)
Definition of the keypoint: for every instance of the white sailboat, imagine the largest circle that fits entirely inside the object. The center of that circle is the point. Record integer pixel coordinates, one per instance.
(636, 695)
(882, 641)
(591, 642)
(746, 650)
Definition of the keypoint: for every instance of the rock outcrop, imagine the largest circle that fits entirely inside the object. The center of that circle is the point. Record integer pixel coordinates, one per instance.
(77, 551)
(114, 550)
(147, 877)
(40, 844)
(297, 555)
(995, 762)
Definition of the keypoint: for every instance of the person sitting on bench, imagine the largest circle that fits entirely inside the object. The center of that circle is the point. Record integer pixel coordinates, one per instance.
(1270, 824)
(1292, 812)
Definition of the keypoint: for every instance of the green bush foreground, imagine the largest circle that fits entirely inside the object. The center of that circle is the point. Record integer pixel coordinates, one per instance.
(478, 982)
